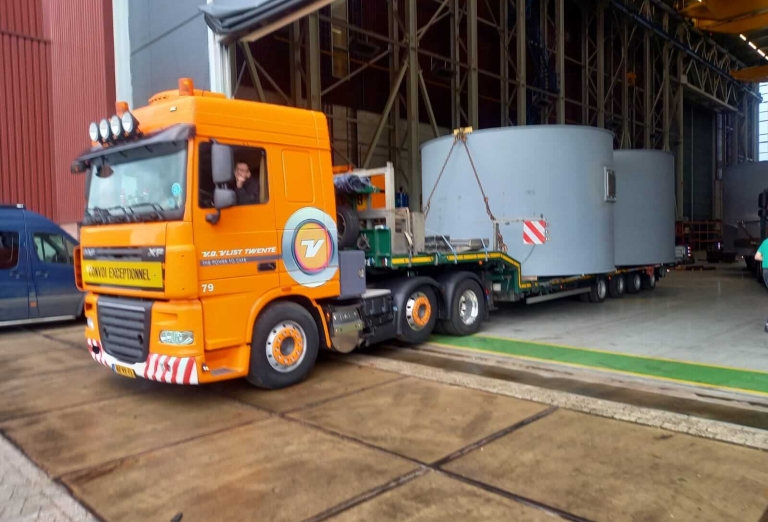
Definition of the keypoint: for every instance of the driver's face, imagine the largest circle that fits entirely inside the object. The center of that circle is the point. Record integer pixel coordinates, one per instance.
(242, 172)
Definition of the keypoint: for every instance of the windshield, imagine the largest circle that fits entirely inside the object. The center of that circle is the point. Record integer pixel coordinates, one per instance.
(141, 184)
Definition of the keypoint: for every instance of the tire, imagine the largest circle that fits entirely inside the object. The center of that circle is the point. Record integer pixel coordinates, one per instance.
(599, 290)
(467, 310)
(634, 282)
(649, 281)
(418, 315)
(273, 365)
(617, 286)
(348, 226)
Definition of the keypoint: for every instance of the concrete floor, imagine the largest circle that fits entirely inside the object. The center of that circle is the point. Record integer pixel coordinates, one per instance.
(712, 317)
(351, 443)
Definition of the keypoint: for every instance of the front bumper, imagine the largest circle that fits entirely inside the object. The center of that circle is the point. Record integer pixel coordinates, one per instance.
(157, 367)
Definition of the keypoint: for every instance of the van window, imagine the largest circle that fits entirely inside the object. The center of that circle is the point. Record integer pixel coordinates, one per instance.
(250, 168)
(53, 248)
(9, 250)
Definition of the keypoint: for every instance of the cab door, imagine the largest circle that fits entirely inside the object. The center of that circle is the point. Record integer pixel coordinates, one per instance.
(237, 256)
(53, 272)
(14, 272)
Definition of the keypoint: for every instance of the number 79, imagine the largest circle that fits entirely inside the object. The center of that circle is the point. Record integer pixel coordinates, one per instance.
(207, 288)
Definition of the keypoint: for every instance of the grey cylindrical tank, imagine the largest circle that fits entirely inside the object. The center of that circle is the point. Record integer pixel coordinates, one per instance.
(550, 172)
(742, 184)
(644, 215)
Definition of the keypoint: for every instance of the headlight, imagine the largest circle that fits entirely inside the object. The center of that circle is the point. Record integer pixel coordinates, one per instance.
(176, 337)
(115, 125)
(89, 321)
(129, 123)
(93, 131)
(104, 130)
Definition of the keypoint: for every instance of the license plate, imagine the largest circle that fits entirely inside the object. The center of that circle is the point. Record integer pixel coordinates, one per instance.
(125, 372)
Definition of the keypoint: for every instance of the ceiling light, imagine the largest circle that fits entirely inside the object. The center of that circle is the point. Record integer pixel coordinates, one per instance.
(760, 52)
(743, 37)
(753, 46)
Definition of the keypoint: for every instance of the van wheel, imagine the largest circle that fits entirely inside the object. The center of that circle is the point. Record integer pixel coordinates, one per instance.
(634, 282)
(347, 225)
(649, 281)
(467, 309)
(284, 347)
(617, 286)
(418, 315)
(599, 290)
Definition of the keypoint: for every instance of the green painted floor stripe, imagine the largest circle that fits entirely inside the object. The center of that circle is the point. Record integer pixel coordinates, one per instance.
(680, 371)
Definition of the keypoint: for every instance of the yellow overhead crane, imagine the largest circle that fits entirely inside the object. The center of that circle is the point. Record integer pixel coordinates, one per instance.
(732, 17)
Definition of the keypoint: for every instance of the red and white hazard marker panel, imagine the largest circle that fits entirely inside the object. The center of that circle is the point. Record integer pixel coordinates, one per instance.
(534, 232)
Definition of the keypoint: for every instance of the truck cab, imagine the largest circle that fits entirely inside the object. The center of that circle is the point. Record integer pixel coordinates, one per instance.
(179, 257)
(37, 278)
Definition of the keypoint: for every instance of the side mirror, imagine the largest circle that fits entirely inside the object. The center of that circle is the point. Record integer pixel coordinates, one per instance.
(222, 198)
(222, 164)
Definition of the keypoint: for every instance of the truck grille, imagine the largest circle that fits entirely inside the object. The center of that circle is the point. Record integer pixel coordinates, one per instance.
(124, 327)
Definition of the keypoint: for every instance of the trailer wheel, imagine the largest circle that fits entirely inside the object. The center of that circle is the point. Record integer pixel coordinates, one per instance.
(634, 283)
(284, 346)
(467, 309)
(418, 315)
(599, 290)
(649, 281)
(347, 225)
(617, 286)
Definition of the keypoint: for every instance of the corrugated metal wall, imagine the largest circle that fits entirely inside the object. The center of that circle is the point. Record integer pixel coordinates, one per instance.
(56, 76)
(82, 61)
(26, 157)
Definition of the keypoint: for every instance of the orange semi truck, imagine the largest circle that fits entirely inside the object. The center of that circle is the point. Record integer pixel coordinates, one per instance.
(214, 246)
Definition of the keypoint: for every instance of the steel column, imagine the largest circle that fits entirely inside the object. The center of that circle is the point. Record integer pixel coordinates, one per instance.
(647, 91)
(560, 57)
(313, 61)
(601, 67)
(680, 199)
(472, 90)
(412, 102)
(394, 86)
(522, 90)
(504, 62)
(626, 140)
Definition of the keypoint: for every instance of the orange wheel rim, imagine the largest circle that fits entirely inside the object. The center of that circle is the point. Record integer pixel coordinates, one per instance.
(422, 311)
(279, 345)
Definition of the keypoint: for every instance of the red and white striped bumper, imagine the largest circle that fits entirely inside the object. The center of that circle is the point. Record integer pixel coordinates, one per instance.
(160, 368)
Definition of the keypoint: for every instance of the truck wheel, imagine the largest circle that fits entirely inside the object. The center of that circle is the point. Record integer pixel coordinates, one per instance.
(467, 309)
(617, 286)
(649, 281)
(347, 225)
(634, 283)
(284, 347)
(418, 315)
(599, 291)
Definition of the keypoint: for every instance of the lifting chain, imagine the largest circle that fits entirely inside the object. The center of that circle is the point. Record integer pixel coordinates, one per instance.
(461, 135)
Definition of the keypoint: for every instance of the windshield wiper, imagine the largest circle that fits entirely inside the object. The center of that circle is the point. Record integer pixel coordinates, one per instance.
(100, 214)
(155, 206)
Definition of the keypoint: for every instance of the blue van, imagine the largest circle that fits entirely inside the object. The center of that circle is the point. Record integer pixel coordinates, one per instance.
(37, 275)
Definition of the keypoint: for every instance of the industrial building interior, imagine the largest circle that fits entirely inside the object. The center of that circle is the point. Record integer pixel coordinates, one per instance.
(677, 76)
(586, 171)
